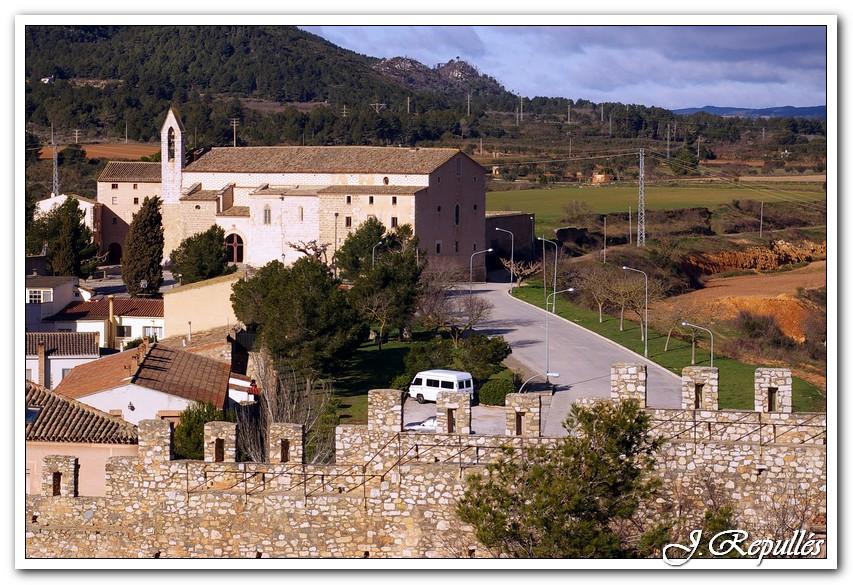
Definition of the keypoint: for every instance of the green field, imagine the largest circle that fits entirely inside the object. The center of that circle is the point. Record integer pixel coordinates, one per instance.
(368, 368)
(736, 378)
(548, 204)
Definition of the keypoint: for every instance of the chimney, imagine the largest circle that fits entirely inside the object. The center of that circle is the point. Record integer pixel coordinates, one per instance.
(111, 339)
(98, 338)
(40, 351)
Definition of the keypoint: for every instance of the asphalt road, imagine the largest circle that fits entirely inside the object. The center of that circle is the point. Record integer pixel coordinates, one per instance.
(581, 357)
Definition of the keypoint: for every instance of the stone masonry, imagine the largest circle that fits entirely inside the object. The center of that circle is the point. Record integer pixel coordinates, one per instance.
(59, 475)
(700, 387)
(456, 405)
(392, 493)
(773, 385)
(220, 442)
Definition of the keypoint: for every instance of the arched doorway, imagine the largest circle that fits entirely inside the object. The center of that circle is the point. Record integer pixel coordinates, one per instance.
(114, 253)
(234, 247)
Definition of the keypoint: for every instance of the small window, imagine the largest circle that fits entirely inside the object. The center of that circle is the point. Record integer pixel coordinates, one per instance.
(219, 450)
(393, 222)
(348, 221)
(135, 186)
(115, 200)
(198, 206)
(456, 246)
(57, 483)
(519, 423)
(136, 200)
(385, 180)
(456, 214)
(415, 382)
(451, 420)
(114, 186)
(475, 179)
(349, 199)
(284, 451)
(438, 179)
(432, 383)
(438, 209)
(447, 385)
(438, 247)
(772, 395)
(458, 166)
(115, 220)
(370, 200)
(475, 246)
(301, 213)
(698, 389)
(475, 207)
(123, 331)
(394, 200)
(34, 296)
(267, 215)
(155, 332)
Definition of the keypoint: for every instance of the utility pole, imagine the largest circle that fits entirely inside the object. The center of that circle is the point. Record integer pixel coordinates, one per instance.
(602, 113)
(698, 145)
(408, 104)
(610, 129)
(641, 206)
(378, 106)
(667, 141)
(569, 113)
(761, 221)
(604, 255)
(234, 123)
(469, 104)
(521, 107)
(55, 163)
(125, 131)
(76, 136)
(344, 112)
(629, 225)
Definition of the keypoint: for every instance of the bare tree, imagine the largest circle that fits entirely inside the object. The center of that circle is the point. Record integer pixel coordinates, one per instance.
(379, 307)
(312, 249)
(289, 398)
(594, 279)
(464, 313)
(522, 270)
(635, 299)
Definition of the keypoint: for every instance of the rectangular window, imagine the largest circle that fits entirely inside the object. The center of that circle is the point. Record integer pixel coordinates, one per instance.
(772, 394)
(348, 221)
(57, 483)
(393, 222)
(123, 331)
(519, 423)
(115, 200)
(438, 247)
(447, 385)
(284, 454)
(699, 388)
(456, 246)
(458, 166)
(451, 420)
(432, 383)
(416, 382)
(349, 199)
(156, 332)
(134, 186)
(394, 200)
(370, 199)
(39, 296)
(136, 200)
(114, 186)
(219, 450)
(267, 216)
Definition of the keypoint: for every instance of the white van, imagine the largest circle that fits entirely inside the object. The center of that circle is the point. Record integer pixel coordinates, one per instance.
(426, 385)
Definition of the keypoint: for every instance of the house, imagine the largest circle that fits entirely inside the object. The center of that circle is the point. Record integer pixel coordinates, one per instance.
(200, 306)
(91, 210)
(522, 226)
(268, 198)
(122, 187)
(117, 320)
(46, 296)
(153, 381)
(51, 355)
(56, 425)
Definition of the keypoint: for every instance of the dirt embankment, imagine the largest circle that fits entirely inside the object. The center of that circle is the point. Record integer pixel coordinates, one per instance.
(778, 254)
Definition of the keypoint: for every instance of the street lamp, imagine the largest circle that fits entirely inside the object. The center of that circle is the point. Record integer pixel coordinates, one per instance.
(471, 268)
(556, 253)
(546, 374)
(644, 328)
(373, 253)
(686, 324)
(547, 314)
(511, 256)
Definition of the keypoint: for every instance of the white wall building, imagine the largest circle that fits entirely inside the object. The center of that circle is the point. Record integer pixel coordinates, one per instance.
(115, 320)
(50, 356)
(46, 296)
(87, 206)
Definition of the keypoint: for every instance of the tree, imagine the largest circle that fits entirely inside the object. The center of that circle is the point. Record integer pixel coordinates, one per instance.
(188, 438)
(71, 250)
(521, 270)
(302, 315)
(566, 501)
(141, 267)
(356, 253)
(202, 256)
(594, 280)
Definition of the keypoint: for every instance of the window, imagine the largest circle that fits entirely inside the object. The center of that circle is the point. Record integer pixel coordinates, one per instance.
(415, 382)
(65, 372)
(385, 180)
(456, 214)
(393, 222)
(519, 423)
(438, 247)
(135, 186)
(349, 199)
(301, 213)
(234, 248)
(456, 246)
(451, 420)
(698, 389)
(475, 179)
(136, 200)
(151, 331)
(348, 221)
(432, 383)
(114, 186)
(370, 200)
(447, 385)
(40, 296)
(772, 394)
(267, 215)
(284, 454)
(115, 200)
(438, 180)
(475, 247)
(170, 145)
(458, 166)
(115, 220)
(394, 200)
(57, 483)
(219, 450)
(198, 206)
(123, 331)
(438, 209)
(475, 207)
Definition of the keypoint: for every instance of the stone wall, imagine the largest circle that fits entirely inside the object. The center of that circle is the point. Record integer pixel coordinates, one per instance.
(392, 493)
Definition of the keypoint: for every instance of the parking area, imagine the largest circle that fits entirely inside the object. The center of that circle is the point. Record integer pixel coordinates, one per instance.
(485, 420)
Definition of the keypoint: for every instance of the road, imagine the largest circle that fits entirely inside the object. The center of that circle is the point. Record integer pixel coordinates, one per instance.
(581, 357)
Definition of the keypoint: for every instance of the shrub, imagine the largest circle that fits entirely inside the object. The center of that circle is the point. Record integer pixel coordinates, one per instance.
(481, 355)
(402, 382)
(494, 391)
(764, 328)
(189, 434)
(436, 353)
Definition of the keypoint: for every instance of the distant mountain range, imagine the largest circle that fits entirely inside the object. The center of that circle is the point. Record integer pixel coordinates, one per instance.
(777, 112)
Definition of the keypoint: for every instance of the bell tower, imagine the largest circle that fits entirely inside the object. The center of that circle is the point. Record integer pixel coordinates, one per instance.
(172, 158)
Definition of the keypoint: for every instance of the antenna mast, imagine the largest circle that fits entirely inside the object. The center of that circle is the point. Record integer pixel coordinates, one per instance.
(641, 206)
(55, 163)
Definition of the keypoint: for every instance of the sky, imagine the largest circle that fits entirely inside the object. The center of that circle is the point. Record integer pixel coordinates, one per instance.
(668, 66)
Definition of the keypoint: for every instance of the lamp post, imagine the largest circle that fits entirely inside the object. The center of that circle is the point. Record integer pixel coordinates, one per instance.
(644, 327)
(546, 374)
(373, 253)
(556, 253)
(547, 339)
(511, 256)
(710, 333)
(471, 268)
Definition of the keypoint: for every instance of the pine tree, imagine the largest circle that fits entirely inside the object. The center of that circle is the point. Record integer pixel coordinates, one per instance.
(201, 256)
(71, 250)
(141, 267)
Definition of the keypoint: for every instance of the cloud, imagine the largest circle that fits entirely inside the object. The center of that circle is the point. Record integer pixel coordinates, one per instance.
(669, 66)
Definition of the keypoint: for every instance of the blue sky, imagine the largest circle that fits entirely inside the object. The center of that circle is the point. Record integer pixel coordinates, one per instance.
(668, 66)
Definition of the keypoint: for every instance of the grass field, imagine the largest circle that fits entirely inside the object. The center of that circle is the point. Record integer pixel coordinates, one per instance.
(548, 204)
(736, 378)
(368, 368)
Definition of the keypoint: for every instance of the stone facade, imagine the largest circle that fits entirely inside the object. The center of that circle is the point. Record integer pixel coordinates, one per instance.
(286, 443)
(220, 442)
(628, 381)
(700, 388)
(523, 415)
(59, 475)
(773, 390)
(392, 493)
(453, 413)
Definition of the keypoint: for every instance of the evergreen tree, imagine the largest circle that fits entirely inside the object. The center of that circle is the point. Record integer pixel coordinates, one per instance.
(202, 256)
(141, 266)
(71, 250)
(356, 253)
(188, 438)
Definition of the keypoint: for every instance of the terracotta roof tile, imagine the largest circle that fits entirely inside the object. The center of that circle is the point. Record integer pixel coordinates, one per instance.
(100, 309)
(63, 343)
(201, 195)
(59, 419)
(322, 159)
(102, 374)
(235, 211)
(372, 190)
(127, 172)
(36, 281)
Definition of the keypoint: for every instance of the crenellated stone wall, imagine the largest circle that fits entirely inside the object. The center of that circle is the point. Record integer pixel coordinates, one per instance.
(393, 494)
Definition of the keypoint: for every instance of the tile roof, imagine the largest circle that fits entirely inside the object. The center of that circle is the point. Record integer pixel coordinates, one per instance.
(168, 370)
(37, 281)
(63, 343)
(126, 172)
(201, 195)
(322, 159)
(62, 420)
(100, 309)
(235, 211)
(291, 191)
(372, 190)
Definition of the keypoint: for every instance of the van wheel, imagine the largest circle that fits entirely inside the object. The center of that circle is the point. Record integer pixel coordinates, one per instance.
(420, 399)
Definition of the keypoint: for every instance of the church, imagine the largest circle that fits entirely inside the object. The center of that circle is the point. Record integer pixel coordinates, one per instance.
(268, 199)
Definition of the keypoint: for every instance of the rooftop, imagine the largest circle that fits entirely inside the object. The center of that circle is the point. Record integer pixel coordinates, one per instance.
(37, 281)
(63, 343)
(372, 190)
(100, 309)
(235, 211)
(130, 172)
(322, 159)
(58, 419)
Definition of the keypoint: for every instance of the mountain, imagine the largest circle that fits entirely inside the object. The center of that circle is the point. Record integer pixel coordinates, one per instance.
(455, 78)
(777, 112)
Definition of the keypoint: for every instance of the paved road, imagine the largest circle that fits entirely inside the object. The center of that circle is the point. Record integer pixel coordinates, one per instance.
(581, 357)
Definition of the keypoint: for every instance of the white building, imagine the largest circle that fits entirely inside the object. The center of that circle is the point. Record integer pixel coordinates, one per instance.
(52, 355)
(115, 320)
(46, 296)
(89, 207)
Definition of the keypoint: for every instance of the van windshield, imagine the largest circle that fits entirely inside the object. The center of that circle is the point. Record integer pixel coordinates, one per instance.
(416, 382)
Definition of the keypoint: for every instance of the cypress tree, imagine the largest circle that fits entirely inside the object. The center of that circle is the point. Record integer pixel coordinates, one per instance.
(63, 255)
(143, 255)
